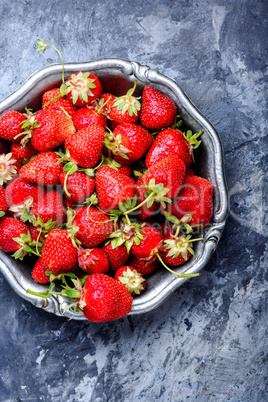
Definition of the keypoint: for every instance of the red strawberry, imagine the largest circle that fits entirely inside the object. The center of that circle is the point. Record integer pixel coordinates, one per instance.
(94, 226)
(59, 253)
(23, 153)
(150, 245)
(19, 189)
(11, 126)
(125, 109)
(86, 116)
(39, 272)
(50, 207)
(11, 228)
(142, 266)
(85, 145)
(52, 130)
(104, 299)
(176, 250)
(157, 110)
(93, 260)
(43, 169)
(112, 188)
(79, 186)
(9, 168)
(195, 198)
(83, 88)
(128, 142)
(169, 142)
(3, 202)
(131, 278)
(169, 171)
(54, 100)
(189, 172)
(117, 256)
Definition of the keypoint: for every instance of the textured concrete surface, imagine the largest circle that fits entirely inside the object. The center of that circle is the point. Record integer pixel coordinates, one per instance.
(208, 341)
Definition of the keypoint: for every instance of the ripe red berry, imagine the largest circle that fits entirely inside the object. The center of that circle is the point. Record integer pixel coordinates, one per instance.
(157, 110)
(104, 299)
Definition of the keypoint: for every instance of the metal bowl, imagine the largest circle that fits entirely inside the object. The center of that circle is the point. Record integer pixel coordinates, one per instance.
(117, 76)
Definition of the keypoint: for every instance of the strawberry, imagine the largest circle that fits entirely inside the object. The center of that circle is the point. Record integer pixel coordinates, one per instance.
(125, 109)
(195, 198)
(149, 246)
(11, 228)
(53, 128)
(128, 142)
(173, 142)
(85, 145)
(39, 272)
(117, 256)
(83, 88)
(3, 202)
(86, 116)
(11, 126)
(78, 186)
(157, 110)
(51, 207)
(131, 278)
(54, 100)
(93, 260)
(23, 153)
(104, 299)
(113, 188)
(189, 172)
(124, 169)
(142, 266)
(43, 169)
(105, 102)
(94, 226)
(19, 189)
(59, 253)
(9, 168)
(169, 171)
(176, 250)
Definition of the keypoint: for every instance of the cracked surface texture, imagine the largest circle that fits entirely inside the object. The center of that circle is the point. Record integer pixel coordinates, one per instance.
(208, 341)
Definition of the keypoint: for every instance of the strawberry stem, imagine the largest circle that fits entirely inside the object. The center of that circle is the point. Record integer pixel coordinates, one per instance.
(173, 272)
(139, 205)
(41, 47)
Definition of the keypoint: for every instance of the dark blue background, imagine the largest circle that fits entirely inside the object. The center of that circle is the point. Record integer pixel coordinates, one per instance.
(207, 341)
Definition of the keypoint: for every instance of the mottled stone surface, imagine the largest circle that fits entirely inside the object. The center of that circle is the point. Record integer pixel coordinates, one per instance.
(207, 341)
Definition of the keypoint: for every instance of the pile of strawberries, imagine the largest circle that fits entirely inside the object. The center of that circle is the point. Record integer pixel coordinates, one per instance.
(99, 190)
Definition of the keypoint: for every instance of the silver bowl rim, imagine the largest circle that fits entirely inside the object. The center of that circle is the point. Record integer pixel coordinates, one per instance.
(147, 76)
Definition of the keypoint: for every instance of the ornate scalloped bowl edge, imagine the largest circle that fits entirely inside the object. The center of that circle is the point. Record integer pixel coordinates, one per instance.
(161, 284)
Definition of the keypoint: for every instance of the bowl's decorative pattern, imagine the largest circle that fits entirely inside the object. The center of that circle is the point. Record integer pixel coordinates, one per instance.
(116, 76)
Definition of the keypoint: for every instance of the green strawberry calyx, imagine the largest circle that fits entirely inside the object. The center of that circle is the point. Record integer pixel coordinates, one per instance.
(80, 85)
(128, 102)
(154, 193)
(113, 143)
(23, 211)
(133, 280)
(27, 246)
(7, 168)
(128, 234)
(71, 286)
